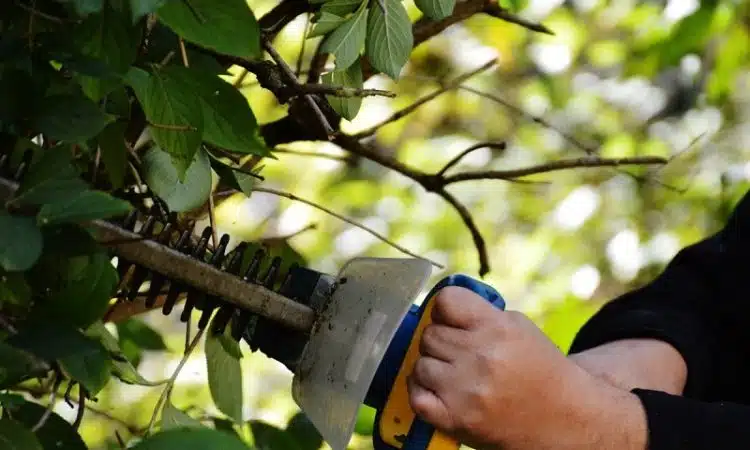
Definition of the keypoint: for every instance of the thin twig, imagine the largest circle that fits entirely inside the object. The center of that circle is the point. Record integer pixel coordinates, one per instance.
(165, 126)
(50, 407)
(312, 154)
(293, 234)
(497, 99)
(411, 108)
(476, 235)
(170, 384)
(5, 324)
(460, 156)
(292, 79)
(343, 91)
(79, 412)
(562, 164)
(37, 13)
(497, 11)
(291, 196)
(183, 51)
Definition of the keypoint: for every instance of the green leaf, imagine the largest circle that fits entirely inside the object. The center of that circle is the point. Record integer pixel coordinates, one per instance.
(20, 242)
(14, 436)
(110, 38)
(175, 116)
(14, 289)
(325, 23)
(436, 9)
(351, 77)
(268, 436)
(190, 438)
(50, 339)
(71, 118)
(228, 120)
(114, 153)
(91, 367)
(365, 421)
(83, 206)
(304, 432)
(688, 35)
(123, 369)
(10, 401)
(171, 417)
(16, 365)
(346, 42)
(389, 37)
(228, 27)
(180, 195)
(232, 176)
(224, 377)
(225, 425)
(139, 8)
(141, 334)
(341, 8)
(51, 179)
(56, 433)
(88, 283)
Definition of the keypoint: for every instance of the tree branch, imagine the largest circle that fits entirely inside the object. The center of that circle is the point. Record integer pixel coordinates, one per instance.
(551, 167)
(413, 107)
(291, 196)
(460, 156)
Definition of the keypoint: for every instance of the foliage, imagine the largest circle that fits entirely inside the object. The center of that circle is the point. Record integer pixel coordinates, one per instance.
(188, 109)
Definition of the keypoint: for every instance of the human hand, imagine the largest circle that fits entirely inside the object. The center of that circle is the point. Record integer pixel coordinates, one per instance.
(636, 363)
(493, 380)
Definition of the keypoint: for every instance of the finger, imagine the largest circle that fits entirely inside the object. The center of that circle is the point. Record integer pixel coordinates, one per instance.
(458, 307)
(443, 342)
(432, 373)
(428, 406)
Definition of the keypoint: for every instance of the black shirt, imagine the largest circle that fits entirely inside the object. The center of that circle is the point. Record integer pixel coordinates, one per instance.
(700, 304)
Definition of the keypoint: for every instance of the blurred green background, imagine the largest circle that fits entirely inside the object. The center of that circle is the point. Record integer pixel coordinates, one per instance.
(665, 78)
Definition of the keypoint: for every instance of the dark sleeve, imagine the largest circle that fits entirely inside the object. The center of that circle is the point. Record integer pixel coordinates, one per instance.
(699, 304)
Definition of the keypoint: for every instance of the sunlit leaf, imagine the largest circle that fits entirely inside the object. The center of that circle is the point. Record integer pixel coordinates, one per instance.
(325, 23)
(190, 438)
(163, 178)
(224, 378)
(351, 77)
(171, 417)
(20, 242)
(436, 9)
(347, 41)
(389, 36)
(175, 116)
(228, 121)
(14, 436)
(123, 369)
(228, 27)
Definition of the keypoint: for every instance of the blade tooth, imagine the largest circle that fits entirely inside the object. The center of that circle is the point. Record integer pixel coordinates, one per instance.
(175, 289)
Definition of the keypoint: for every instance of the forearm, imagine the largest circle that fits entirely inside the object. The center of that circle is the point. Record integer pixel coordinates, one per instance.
(636, 363)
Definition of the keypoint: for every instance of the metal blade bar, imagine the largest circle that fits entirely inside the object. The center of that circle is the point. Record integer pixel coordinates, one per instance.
(202, 276)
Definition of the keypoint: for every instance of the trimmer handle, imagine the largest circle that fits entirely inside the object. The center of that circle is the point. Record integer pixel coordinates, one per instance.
(397, 418)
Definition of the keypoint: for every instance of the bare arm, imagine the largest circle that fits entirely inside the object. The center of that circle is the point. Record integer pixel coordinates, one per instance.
(636, 363)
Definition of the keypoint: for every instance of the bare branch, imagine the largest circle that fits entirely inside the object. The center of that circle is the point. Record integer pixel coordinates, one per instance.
(476, 235)
(460, 156)
(515, 109)
(345, 219)
(497, 11)
(411, 108)
(292, 80)
(342, 91)
(343, 158)
(552, 166)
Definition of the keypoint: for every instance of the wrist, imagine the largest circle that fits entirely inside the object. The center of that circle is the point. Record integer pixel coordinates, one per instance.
(604, 417)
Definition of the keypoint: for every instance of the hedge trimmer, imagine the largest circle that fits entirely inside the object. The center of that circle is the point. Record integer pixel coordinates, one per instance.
(349, 339)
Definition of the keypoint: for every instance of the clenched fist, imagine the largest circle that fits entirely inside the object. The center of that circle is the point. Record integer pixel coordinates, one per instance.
(493, 380)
